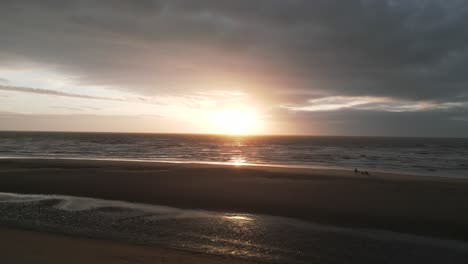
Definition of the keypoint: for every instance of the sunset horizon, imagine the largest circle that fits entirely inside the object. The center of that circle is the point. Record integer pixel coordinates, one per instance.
(173, 67)
(229, 134)
(233, 131)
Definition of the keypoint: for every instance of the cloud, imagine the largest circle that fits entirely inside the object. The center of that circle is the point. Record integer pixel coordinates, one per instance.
(53, 93)
(67, 108)
(376, 56)
(401, 49)
(86, 123)
(355, 122)
(335, 103)
(460, 118)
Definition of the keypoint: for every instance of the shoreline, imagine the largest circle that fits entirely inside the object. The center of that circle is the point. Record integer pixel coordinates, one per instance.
(433, 206)
(302, 168)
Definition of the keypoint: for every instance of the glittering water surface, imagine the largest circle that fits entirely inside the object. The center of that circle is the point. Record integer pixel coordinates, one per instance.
(425, 156)
(255, 237)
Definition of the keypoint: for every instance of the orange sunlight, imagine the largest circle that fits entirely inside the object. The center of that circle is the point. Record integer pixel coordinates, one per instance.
(234, 122)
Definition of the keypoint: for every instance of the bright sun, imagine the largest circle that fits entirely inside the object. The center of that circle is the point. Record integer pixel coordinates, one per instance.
(234, 122)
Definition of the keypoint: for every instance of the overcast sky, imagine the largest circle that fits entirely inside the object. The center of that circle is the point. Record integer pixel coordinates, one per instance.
(393, 68)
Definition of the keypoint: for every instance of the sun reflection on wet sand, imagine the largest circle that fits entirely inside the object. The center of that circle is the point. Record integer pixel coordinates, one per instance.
(240, 238)
(269, 239)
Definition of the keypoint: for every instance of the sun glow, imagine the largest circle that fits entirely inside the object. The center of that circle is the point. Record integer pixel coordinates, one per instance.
(234, 122)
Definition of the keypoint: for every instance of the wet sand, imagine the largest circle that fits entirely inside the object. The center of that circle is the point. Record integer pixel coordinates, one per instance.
(433, 206)
(24, 247)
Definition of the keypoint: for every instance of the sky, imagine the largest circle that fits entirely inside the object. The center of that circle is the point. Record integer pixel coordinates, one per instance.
(359, 68)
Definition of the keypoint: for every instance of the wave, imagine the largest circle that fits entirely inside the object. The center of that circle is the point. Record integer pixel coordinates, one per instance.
(417, 156)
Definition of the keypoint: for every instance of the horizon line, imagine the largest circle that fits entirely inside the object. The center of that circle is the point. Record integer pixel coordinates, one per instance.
(227, 135)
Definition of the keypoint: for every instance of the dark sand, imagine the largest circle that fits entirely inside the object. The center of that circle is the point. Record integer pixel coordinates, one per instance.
(24, 247)
(434, 206)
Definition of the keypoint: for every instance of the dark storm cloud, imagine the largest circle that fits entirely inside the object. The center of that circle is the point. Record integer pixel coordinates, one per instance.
(407, 49)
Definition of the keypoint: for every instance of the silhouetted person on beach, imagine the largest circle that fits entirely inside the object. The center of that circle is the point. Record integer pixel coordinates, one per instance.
(362, 172)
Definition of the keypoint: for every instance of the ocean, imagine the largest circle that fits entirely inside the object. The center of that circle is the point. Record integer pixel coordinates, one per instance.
(249, 236)
(446, 157)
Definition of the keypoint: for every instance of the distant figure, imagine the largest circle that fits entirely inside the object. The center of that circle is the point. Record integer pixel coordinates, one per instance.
(367, 173)
(355, 171)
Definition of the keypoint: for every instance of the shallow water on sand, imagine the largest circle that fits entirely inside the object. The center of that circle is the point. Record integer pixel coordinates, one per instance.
(249, 236)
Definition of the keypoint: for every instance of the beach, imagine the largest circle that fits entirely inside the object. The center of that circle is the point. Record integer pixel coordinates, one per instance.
(24, 247)
(295, 132)
(430, 206)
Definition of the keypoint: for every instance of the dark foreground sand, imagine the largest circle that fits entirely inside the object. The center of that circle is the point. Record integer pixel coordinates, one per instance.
(433, 206)
(25, 247)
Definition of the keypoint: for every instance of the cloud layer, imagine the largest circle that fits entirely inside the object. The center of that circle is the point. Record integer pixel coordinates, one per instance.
(397, 56)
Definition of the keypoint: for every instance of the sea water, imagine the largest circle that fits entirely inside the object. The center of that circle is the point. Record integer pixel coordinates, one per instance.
(446, 157)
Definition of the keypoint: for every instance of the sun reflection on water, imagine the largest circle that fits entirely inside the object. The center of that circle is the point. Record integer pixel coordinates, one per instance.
(238, 218)
(238, 160)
